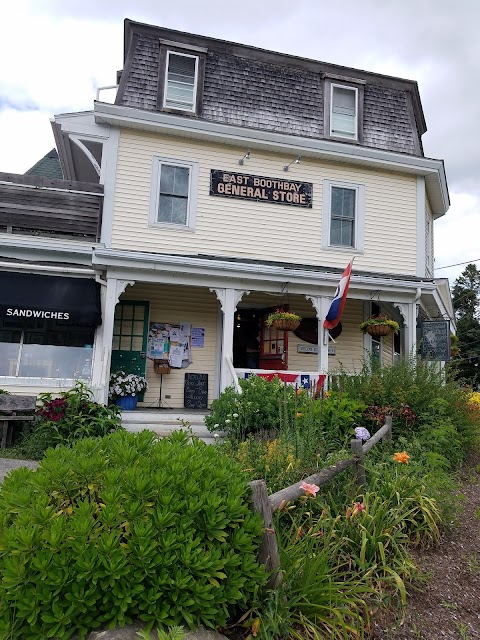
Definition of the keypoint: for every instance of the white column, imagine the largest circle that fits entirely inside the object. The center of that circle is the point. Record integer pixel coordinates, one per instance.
(408, 311)
(103, 345)
(228, 298)
(321, 306)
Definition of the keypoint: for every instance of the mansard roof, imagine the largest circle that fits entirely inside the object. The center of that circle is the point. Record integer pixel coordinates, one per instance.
(250, 87)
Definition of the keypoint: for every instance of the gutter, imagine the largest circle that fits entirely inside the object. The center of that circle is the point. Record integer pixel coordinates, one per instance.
(112, 258)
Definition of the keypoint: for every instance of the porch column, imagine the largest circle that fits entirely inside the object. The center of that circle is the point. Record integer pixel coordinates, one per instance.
(408, 311)
(321, 306)
(228, 298)
(103, 345)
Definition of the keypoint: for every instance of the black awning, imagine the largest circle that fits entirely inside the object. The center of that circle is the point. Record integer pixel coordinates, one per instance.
(24, 295)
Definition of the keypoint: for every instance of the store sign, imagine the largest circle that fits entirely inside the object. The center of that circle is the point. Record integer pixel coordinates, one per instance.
(313, 348)
(36, 313)
(435, 340)
(260, 189)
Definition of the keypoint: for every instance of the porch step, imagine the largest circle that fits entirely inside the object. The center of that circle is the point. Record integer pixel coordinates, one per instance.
(163, 422)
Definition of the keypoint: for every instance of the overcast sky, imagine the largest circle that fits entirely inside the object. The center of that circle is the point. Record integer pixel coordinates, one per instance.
(55, 53)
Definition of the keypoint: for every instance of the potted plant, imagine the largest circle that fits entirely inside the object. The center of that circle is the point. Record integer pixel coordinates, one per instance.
(125, 388)
(283, 320)
(379, 326)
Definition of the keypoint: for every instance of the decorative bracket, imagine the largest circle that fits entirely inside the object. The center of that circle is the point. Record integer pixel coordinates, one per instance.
(121, 286)
(222, 296)
(316, 302)
(403, 309)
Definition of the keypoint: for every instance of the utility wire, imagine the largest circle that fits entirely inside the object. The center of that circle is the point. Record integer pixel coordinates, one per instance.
(457, 264)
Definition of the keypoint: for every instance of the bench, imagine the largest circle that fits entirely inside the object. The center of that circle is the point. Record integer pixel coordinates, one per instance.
(14, 408)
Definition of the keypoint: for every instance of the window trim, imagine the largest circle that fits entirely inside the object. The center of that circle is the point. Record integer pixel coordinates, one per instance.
(195, 82)
(167, 48)
(354, 84)
(332, 134)
(193, 166)
(359, 226)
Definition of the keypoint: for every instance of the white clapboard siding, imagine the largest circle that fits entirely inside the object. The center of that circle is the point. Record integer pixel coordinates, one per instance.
(176, 304)
(262, 230)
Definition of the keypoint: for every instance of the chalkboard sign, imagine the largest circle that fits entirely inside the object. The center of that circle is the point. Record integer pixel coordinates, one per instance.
(195, 394)
(436, 340)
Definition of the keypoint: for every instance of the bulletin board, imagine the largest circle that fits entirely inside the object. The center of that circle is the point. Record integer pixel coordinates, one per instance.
(172, 342)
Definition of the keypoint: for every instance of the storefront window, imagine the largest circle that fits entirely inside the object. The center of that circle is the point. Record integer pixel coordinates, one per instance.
(41, 348)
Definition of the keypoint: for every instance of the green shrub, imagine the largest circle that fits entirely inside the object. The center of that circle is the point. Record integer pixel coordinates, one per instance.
(262, 406)
(125, 527)
(67, 418)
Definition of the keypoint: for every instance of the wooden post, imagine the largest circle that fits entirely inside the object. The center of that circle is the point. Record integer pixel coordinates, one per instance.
(357, 451)
(388, 423)
(268, 550)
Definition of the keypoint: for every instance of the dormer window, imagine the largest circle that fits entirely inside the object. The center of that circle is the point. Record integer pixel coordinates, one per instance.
(181, 81)
(343, 108)
(181, 75)
(344, 112)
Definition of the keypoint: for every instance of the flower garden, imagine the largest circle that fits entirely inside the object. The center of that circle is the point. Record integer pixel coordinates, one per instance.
(116, 527)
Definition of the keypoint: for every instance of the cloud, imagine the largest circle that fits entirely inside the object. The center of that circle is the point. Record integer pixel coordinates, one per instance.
(77, 46)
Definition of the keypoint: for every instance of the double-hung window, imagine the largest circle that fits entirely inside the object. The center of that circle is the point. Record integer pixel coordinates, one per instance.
(173, 193)
(342, 221)
(181, 81)
(344, 112)
(343, 215)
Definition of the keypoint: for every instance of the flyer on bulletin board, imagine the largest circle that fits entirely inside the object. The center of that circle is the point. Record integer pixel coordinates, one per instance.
(170, 342)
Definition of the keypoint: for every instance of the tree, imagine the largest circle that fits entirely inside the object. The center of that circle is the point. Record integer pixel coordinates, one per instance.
(466, 302)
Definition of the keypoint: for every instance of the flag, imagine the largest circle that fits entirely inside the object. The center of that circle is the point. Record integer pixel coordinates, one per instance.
(305, 381)
(320, 382)
(335, 312)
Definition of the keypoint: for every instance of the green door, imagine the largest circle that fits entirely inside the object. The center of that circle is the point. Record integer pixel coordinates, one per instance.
(130, 331)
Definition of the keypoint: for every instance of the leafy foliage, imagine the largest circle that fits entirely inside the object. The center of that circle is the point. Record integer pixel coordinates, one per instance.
(125, 526)
(262, 406)
(466, 301)
(65, 419)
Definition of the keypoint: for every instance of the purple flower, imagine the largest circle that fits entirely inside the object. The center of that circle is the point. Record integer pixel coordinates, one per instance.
(362, 434)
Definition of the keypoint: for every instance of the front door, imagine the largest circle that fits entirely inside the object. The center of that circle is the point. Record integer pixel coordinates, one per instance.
(130, 332)
(273, 346)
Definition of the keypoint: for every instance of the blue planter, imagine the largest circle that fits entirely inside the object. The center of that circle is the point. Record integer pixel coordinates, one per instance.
(127, 402)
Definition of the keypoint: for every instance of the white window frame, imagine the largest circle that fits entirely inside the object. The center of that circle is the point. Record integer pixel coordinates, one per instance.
(155, 193)
(195, 84)
(359, 224)
(336, 134)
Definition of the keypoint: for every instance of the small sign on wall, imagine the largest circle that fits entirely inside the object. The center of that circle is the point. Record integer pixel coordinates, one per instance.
(435, 340)
(313, 348)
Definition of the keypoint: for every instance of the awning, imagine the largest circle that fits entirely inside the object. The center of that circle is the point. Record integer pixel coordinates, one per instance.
(24, 296)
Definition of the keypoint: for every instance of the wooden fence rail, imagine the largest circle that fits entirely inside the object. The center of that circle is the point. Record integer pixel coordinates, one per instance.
(266, 505)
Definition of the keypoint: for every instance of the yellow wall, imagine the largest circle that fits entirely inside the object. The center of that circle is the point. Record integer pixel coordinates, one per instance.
(175, 305)
(245, 229)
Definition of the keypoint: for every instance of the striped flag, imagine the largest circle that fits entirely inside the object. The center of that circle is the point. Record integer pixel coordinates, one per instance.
(336, 308)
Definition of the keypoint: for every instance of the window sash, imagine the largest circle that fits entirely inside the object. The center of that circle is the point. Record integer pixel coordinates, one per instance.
(180, 81)
(343, 209)
(343, 111)
(174, 194)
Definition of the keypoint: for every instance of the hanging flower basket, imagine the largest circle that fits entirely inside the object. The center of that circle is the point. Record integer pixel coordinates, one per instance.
(283, 320)
(378, 326)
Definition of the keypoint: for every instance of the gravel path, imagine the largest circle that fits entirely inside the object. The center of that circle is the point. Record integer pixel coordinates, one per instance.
(447, 607)
(7, 464)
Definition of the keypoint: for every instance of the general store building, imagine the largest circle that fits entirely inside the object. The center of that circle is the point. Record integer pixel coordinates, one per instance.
(236, 180)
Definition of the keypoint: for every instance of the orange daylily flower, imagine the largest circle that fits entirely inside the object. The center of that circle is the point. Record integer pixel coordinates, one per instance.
(401, 457)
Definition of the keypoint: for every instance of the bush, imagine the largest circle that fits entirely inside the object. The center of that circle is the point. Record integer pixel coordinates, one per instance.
(417, 394)
(65, 419)
(262, 406)
(122, 527)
